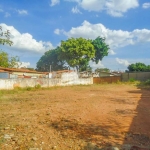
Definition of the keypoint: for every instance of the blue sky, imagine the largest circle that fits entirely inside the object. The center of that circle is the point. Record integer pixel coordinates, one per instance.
(37, 26)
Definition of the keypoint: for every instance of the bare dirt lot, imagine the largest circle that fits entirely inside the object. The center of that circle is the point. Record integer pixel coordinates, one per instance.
(75, 118)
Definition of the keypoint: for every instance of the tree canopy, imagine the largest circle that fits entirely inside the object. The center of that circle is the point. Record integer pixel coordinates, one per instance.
(5, 37)
(77, 52)
(50, 59)
(74, 52)
(8, 61)
(139, 67)
(102, 70)
(101, 49)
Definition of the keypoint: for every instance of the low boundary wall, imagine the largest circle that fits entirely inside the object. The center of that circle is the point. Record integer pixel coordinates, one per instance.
(140, 76)
(24, 82)
(110, 79)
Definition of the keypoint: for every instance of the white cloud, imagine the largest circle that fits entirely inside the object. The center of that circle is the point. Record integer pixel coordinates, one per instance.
(114, 38)
(140, 36)
(117, 8)
(75, 10)
(112, 7)
(57, 31)
(22, 12)
(54, 2)
(92, 5)
(25, 41)
(146, 5)
(23, 64)
(7, 14)
(111, 52)
(123, 62)
(95, 66)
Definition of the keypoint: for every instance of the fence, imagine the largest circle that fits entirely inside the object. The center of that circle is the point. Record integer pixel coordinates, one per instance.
(109, 79)
(28, 82)
(140, 76)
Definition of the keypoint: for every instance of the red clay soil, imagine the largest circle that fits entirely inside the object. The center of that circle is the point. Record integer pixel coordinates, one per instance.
(75, 118)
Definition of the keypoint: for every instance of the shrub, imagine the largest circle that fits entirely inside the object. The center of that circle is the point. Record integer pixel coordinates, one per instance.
(28, 88)
(131, 80)
(38, 86)
(147, 82)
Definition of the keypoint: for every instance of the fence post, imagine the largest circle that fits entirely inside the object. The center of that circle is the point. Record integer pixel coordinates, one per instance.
(121, 77)
(128, 75)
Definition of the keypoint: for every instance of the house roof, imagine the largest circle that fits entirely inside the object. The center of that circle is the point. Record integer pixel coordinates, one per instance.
(24, 70)
(62, 71)
(3, 71)
(15, 69)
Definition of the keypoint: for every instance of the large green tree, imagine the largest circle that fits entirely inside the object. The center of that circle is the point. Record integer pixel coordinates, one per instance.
(138, 67)
(74, 52)
(101, 49)
(50, 60)
(77, 52)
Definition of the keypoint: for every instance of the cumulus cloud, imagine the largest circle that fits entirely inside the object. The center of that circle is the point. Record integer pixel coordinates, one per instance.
(92, 5)
(22, 12)
(114, 38)
(112, 7)
(146, 5)
(57, 31)
(25, 41)
(111, 52)
(140, 36)
(95, 66)
(23, 64)
(54, 2)
(75, 10)
(117, 8)
(123, 62)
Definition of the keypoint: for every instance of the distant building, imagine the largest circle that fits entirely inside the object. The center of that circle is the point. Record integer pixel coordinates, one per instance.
(20, 73)
(87, 74)
(26, 73)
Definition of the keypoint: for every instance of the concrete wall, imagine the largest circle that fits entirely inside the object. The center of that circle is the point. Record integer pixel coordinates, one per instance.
(140, 76)
(28, 82)
(111, 79)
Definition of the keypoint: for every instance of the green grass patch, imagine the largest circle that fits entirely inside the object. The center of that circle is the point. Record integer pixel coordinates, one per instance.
(147, 82)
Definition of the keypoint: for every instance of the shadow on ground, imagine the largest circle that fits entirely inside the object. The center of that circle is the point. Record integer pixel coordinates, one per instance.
(92, 134)
(137, 138)
(139, 132)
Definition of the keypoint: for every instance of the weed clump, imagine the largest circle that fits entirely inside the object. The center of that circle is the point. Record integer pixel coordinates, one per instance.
(131, 80)
(38, 86)
(147, 82)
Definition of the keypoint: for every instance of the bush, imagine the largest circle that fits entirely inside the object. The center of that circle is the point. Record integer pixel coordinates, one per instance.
(131, 80)
(28, 88)
(147, 82)
(38, 86)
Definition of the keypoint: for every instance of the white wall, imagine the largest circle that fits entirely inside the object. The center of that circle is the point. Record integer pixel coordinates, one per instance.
(28, 82)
